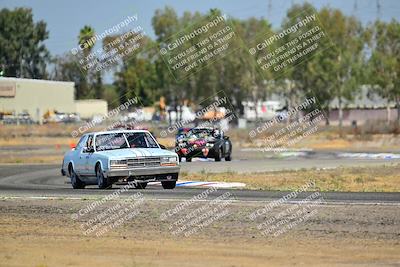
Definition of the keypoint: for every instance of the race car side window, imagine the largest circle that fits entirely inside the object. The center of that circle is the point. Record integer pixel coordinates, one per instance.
(89, 143)
(81, 142)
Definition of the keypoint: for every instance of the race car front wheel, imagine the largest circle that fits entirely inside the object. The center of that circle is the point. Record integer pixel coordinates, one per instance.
(140, 185)
(102, 182)
(219, 155)
(168, 184)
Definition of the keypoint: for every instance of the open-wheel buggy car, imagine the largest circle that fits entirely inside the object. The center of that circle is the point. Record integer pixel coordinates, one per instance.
(203, 143)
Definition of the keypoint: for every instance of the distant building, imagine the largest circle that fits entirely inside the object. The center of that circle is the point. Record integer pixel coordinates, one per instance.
(38, 97)
(88, 108)
(364, 107)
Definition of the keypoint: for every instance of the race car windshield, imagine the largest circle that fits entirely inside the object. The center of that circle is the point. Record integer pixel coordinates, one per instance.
(110, 141)
(200, 132)
(141, 140)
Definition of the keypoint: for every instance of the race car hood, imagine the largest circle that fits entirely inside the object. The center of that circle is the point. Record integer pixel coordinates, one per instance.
(136, 152)
(198, 142)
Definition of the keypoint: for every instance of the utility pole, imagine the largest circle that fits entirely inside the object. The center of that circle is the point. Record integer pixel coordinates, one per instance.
(355, 7)
(269, 9)
(378, 9)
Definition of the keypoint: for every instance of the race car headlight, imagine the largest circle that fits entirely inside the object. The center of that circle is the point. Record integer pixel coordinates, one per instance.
(210, 139)
(182, 144)
(169, 161)
(209, 145)
(118, 163)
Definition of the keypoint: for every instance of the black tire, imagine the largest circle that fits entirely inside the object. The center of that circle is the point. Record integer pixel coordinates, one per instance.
(140, 185)
(75, 181)
(228, 158)
(168, 184)
(219, 155)
(188, 159)
(102, 182)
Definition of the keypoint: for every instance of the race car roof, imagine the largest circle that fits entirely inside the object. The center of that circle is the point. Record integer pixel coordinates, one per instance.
(119, 131)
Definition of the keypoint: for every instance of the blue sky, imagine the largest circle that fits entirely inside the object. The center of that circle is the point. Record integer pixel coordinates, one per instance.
(65, 18)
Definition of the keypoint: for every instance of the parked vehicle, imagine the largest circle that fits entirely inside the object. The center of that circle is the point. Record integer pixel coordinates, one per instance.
(60, 117)
(203, 143)
(262, 110)
(104, 158)
(21, 118)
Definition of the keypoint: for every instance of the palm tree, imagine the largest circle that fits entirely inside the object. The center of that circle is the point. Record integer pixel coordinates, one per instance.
(85, 39)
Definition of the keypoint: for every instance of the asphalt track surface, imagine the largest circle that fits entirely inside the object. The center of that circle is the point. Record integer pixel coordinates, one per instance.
(45, 181)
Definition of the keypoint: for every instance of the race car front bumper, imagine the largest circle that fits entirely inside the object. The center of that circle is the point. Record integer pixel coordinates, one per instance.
(199, 152)
(149, 171)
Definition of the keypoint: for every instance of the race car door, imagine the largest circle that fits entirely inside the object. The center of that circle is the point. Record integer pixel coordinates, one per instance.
(78, 158)
(87, 152)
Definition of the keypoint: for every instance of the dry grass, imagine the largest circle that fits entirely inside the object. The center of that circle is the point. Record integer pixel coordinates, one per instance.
(48, 130)
(45, 159)
(357, 179)
(37, 141)
(325, 138)
(42, 233)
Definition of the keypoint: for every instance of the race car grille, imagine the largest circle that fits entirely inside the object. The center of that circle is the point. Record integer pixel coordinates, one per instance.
(144, 162)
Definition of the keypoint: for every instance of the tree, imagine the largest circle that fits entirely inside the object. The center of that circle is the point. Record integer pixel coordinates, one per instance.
(313, 74)
(88, 82)
(347, 54)
(85, 37)
(137, 78)
(135, 72)
(210, 77)
(165, 23)
(384, 63)
(98, 85)
(335, 71)
(22, 51)
(66, 68)
(83, 89)
(253, 81)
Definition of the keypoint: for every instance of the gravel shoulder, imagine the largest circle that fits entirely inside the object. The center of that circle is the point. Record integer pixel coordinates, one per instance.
(46, 233)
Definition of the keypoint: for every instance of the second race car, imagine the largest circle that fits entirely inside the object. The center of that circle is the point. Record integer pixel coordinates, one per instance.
(203, 143)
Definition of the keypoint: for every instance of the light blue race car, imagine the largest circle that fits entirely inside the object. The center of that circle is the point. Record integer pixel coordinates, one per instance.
(104, 158)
